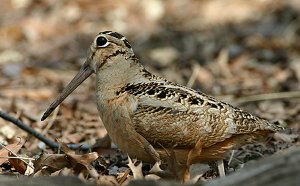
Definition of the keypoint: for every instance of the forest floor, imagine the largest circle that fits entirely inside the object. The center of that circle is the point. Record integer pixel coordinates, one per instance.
(246, 53)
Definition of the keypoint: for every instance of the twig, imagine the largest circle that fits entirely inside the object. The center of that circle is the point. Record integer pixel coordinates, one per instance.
(15, 154)
(231, 156)
(3, 146)
(52, 144)
(18, 157)
(221, 168)
(194, 75)
(51, 122)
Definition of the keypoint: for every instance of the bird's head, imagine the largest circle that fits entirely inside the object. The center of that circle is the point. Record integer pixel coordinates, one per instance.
(105, 52)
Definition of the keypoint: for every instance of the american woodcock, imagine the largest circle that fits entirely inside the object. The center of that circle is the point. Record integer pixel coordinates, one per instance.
(145, 114)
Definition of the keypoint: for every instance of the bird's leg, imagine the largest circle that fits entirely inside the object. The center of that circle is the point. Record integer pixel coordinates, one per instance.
(174, 169)
(192, 157)
(143, 142)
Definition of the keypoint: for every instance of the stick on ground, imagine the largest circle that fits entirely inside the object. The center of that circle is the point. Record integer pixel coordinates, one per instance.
(50, 143)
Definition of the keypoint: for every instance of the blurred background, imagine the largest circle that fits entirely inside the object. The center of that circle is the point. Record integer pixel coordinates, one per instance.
(230, 49)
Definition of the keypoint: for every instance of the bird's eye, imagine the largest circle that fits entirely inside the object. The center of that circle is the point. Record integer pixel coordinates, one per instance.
(101, 41)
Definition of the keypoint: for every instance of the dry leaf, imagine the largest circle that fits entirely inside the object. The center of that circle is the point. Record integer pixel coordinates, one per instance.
(136, 170)
(106, 180)
(29, 169)
(46, 164)
(18, 164)
(174, 170)
(81, 162)
(4, 152)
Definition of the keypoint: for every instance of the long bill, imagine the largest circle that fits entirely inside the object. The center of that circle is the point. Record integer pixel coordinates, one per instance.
(82, 75)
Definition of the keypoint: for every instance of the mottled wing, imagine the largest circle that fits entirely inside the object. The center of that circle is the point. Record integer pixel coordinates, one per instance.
(170, 115)
(168, 127)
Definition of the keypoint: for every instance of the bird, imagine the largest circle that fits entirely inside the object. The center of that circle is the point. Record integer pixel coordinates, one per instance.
(145, 114)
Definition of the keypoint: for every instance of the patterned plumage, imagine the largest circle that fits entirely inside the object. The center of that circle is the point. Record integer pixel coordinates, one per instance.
(145, 114)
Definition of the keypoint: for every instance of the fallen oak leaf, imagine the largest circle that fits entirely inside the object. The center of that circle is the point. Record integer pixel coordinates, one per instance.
(174, 169)
(84, 159)
(13, 148)
(81, 162)
(29, 169)
(136, 170)
(9, 153)
(107, 180)
(17, 163)
(46, 164)
(122, 179)
(156, 168)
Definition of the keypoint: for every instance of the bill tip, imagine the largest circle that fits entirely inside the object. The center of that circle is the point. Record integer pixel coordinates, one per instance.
(46, 114)
(43, 117)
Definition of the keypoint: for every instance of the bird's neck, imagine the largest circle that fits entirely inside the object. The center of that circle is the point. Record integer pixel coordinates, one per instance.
(119, 73)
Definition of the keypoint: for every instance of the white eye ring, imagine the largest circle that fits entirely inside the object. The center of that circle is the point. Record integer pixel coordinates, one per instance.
(101, 41)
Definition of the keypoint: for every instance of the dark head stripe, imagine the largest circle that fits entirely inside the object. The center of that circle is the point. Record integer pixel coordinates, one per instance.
(126, 43)
(106, 32)
(116, 35)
